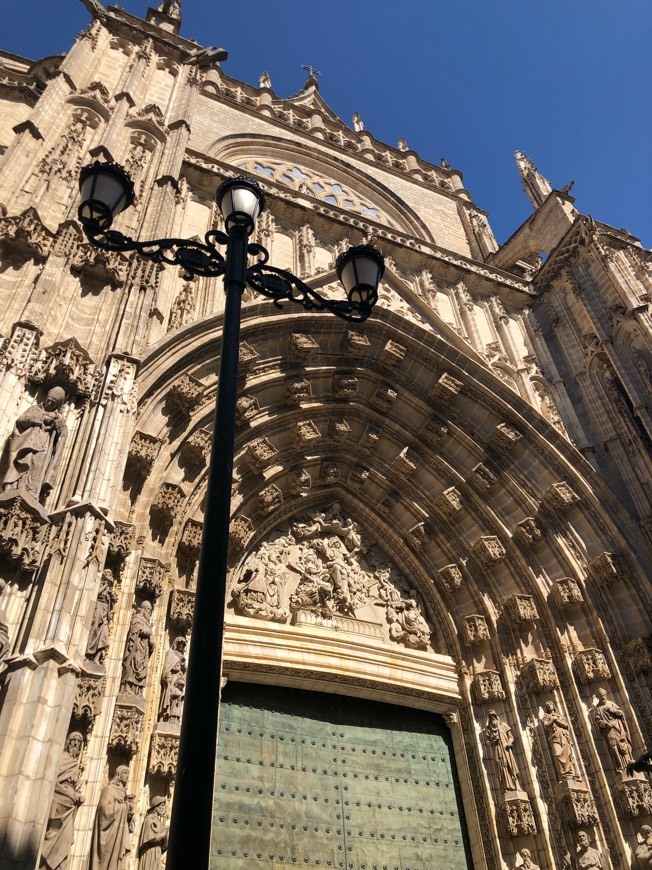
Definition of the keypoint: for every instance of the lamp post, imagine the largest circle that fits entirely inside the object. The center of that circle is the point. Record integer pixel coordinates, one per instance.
(106, 190)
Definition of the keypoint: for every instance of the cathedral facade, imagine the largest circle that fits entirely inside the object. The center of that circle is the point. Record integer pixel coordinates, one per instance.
(437, 643)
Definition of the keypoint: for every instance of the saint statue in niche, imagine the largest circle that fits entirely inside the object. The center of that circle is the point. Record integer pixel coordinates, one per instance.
(611, 721)
(111, 843)
(98, 636)
(138, 649)
(587, 857)
(153, 836)
(500, 742)
(60, 829)
(174, 666)
(558, 734)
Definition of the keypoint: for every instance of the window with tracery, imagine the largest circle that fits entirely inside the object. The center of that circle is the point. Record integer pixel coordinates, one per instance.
(310, 183)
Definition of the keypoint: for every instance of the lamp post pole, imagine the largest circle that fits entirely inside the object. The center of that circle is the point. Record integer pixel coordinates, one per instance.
(106, 190)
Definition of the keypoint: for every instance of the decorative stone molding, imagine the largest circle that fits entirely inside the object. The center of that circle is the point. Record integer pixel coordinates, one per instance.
(185, 394)
(567, 593)
(391, 356)
(476, 630)
(445, 390)
(635, 797)
(405, 463)
(247, 357)
(504, 438)
(345, 387)
(143, 451)
(23, 530)
(240, 530)
(270, 499)
(329, 472)
(259, 454)
(126, 729)
(354, 344)
(107, 266)
(246, 409)
(300, 482)
(559, 497)
(487, 686)
(20, 352)
(383, 398)
(190, 543)
(610, 568)
(197, 447)
(338, 430)
(26, 234)
(639, 653)
(419, 535)
(591, 666)
(538, 676)
(150, 579)
(306, 434)
(576, 805)
(88, 699)
(182, 609)
(448, 503)
(163, 755)
(67, 365)
(121, 541)
(168, 502)
(297, 390)
(488, 550)
(528, 532)
(369, 438)
(482, 477)
(451, 578)
(520, 609)
(433, 432)
(358, 477)
(301, 349)
(517, 816)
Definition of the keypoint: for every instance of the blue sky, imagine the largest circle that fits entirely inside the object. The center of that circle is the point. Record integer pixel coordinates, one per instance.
(566, 81)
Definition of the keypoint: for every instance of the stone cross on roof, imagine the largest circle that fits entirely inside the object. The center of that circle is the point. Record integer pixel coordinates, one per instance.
(312, 72)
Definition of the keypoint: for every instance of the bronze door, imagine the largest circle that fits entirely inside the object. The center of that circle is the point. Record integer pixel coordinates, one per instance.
(306, 779)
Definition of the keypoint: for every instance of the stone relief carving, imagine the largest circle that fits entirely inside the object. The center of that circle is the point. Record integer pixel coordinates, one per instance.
(151, 575)
(153, 840)
(635, 797)
(567, 592)
(111, 842)
(98, 636)
(183, 307)
(610, 721)
(23, 529)
(173, 683)
(67, 798)
(323, 567)
(67, 365)
(592, 666)
(500, 746)
(164, 752)
(138, 650)
(539, 675)
(34, 448)
(488, 686)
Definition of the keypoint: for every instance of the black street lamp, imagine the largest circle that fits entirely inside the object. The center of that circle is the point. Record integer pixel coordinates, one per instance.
(106, 190)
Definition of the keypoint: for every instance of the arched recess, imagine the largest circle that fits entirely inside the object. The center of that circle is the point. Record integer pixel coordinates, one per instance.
(516, 548)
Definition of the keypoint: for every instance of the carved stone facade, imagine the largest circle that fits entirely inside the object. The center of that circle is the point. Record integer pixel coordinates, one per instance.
(446, 507)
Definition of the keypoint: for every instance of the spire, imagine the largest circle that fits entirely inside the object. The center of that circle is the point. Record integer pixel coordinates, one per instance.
(536, 186)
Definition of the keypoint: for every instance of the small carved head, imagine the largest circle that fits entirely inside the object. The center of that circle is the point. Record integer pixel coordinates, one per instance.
(54, 399)
(179, 644)
(159, 805)
(122, 774)
(146, 608)
(583, 841)
(74, 744)
(602, 694)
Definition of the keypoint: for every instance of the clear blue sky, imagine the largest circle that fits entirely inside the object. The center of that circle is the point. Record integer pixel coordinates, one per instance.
(567, 81)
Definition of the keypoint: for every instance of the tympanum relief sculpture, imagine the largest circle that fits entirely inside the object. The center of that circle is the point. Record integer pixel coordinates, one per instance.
(322, 570)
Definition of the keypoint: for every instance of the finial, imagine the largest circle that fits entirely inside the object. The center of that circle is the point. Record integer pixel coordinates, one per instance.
(536, 186)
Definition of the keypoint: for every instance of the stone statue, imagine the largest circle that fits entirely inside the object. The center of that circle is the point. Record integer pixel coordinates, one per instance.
(4, 628)
(34, 448)
(173, 665)
(183, 309)
(643, 853)
(407, 624)
(112, 829)
(60, 829)
(610, 719)
(177, 695)
(527, 863)
(153, 836)
(587, 857)
(264, 81)
(259, 593)
(499, 739)
(558, 734)
(98, 636)
(138, 649)
(171, 8)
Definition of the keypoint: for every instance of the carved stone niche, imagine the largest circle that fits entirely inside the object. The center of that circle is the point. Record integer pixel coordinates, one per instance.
(358, 477)
(567, 593)
(476, 630)
(67, 365)
(488, 551)
(591, 666)
(445, 390)
(126, 729)
(297, 390)
(405, 463)
(338, 429)
(121, 541)
(26, 235)
(269, 499)
(259, 454)
(419, 535)
(150, 579)
(482, 477)
(635, 797)
(354, 344)
(246, 409)
(538, 676)
(168, 502)
(240, 530)
(528, 531)
(559, 497)
(247, 357)
(345, 387)
(197, 447)
(518, 818)
(185, 394)
(487, 686)
(369, 438)
(182, 608)
(383, 398)
(451, 578)
(88, 700)
(433, 432)
(610, 568)
(23, 530)
(520, 609)
(163, 755)
(504, 438)
(300, 482)
(190, 543)
(329, 472)
(576, 805)
(448, 503)
(391, 356)
(301, 349)
(639, 653)
(143, 452)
